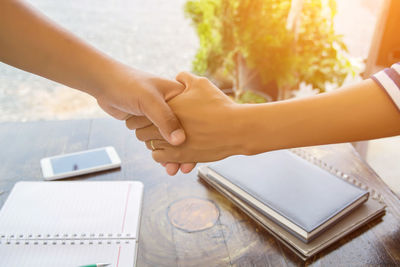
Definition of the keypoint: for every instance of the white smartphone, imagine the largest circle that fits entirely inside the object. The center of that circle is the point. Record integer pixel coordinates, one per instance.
(79, 163)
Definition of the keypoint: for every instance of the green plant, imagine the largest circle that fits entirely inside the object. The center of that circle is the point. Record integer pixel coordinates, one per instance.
(256, 30)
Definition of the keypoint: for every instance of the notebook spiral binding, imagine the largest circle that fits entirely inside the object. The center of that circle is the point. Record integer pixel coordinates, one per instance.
(351, 179)
(64, 242)
(90, 236)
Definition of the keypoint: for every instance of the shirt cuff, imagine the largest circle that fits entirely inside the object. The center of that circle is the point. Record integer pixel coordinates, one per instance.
(389, 80)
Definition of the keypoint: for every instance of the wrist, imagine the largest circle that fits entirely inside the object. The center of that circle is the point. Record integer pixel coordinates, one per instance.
(118, 83)
(246, 124)
(107, 77)
(259, 128)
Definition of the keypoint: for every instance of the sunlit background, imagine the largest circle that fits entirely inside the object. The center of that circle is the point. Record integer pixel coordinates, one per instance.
(156, 36)
(152, 35)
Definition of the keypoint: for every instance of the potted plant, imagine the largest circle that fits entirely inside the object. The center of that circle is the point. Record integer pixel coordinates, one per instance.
(269, 46)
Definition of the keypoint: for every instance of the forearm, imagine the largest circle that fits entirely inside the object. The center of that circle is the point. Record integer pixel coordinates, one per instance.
(217, 127)
(358, 112)
(33, 43)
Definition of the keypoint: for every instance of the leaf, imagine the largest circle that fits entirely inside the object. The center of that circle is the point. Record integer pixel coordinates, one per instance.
(256, 29)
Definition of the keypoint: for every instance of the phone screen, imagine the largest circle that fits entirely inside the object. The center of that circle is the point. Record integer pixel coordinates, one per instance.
(80, 161)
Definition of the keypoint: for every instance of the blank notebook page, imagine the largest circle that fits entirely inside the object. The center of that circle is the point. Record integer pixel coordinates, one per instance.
(65, 210)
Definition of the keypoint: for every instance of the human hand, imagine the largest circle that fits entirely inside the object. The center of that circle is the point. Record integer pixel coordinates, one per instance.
(140, 99)
(132, 93)
(134, 122)
(210, 120)
(139, 122)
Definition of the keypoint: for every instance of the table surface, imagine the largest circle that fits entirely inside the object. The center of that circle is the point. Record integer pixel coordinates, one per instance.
(184, 221)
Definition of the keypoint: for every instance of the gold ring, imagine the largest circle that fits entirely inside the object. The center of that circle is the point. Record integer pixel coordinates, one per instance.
(152, 145)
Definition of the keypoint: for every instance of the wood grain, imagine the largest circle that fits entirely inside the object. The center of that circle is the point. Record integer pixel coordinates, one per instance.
(193, 214)
(185, 222)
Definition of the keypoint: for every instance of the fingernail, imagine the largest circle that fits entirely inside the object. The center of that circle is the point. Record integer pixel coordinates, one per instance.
(177, 137)
(170, 172)
(185, 169)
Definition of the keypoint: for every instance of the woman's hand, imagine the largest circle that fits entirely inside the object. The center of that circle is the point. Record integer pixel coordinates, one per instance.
(209, 119)
(136, 94)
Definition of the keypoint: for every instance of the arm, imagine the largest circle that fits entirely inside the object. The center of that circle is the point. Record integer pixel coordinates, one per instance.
(217, 127)
(358, 112)
(33, 43)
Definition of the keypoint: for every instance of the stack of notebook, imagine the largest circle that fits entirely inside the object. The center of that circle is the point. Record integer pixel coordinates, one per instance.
(304, 206)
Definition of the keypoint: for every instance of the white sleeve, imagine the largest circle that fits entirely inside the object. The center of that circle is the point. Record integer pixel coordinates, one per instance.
(389, 80)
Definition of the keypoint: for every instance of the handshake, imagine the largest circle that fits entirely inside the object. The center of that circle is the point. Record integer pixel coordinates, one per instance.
(190, 120)
(183, 122)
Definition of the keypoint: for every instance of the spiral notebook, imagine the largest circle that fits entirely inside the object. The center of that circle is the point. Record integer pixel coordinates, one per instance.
(369, 211)
(71, 224)
(293, 192)
(280, 187)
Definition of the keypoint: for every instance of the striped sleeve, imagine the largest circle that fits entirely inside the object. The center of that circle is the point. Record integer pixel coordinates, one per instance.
(389, 80)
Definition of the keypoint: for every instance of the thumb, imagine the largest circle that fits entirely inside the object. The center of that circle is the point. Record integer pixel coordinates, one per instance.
(158, 111)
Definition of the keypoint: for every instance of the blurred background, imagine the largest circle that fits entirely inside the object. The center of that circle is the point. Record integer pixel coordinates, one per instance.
(256, 51)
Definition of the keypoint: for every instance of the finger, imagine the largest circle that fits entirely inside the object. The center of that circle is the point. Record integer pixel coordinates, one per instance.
(148, 133)
(172, 168)
(171, 88)
(149, 145)
(157, 145)
(187, 167)
(158, 111)
(114, 112)
(193, 82)
(186, 78)
(136, 122)
(161, 155)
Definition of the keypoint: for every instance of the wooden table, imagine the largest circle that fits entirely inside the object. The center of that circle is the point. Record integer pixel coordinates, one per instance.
(185, 222)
